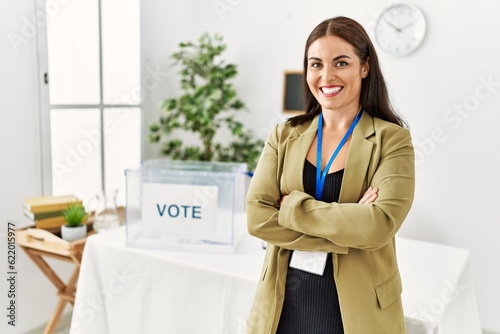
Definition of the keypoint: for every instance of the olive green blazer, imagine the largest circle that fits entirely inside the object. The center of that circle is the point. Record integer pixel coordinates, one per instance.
(360, 236)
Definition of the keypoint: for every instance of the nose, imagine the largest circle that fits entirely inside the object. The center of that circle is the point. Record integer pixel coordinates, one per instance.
(329, 74)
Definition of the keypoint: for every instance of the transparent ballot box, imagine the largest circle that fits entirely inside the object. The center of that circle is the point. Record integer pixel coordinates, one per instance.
(186, 205)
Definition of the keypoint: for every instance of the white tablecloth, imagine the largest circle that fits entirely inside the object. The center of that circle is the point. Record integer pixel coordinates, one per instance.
(128, 290)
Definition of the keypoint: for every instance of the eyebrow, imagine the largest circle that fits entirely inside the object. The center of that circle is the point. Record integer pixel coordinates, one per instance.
(336, 58)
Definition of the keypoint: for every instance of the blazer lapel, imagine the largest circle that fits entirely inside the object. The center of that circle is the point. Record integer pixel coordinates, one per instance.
(296, 151)
(358, 159)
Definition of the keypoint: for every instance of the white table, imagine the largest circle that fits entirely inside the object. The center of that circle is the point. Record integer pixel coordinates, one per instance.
(438, 290)
(129, 290)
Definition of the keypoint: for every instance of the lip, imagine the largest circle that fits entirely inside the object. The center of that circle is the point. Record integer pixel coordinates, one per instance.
(331, 90)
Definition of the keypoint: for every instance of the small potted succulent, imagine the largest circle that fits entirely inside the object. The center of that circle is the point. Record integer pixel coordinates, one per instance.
(75, 227)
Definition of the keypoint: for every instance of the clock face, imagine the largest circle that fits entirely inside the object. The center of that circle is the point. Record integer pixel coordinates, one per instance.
(400, 29)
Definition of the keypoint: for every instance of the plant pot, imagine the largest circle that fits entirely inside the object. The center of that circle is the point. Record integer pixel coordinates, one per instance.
(71, 233)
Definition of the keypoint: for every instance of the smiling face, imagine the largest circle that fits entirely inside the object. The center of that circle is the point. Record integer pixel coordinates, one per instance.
(335, 73)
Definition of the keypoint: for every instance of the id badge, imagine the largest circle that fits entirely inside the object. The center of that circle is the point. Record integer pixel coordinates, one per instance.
(312, 262)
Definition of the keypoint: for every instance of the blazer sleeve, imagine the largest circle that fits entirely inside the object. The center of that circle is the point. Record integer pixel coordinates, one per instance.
(363, 226)
(263, 208)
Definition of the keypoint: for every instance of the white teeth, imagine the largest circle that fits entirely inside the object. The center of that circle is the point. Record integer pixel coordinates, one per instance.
(331, 90)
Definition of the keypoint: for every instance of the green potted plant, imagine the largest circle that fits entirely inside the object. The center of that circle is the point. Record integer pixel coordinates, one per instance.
(207, 105)
(75, 227)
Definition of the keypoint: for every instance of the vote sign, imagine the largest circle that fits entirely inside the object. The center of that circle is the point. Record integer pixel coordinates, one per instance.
(179, 210)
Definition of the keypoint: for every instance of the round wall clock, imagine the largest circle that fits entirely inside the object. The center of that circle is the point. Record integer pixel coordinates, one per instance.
(400, 29)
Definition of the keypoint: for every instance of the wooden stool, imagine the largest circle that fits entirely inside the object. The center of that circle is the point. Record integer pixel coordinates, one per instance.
(38, 243)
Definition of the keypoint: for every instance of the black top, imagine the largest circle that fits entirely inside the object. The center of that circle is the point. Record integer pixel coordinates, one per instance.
(311, 302)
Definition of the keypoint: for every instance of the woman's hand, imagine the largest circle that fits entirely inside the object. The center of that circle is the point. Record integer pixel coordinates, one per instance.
(283, 199)
(370, 196)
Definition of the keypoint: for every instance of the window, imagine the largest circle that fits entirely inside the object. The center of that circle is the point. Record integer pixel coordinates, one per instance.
(90, 96)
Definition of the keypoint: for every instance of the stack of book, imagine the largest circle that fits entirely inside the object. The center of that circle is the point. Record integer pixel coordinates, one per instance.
(47, 211)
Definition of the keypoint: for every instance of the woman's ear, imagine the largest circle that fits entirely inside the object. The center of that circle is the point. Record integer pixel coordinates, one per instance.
(365, 68)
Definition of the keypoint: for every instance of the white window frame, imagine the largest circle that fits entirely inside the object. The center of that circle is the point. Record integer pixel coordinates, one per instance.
(44, 106)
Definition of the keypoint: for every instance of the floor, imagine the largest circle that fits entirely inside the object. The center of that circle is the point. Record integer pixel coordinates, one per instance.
(62, 328)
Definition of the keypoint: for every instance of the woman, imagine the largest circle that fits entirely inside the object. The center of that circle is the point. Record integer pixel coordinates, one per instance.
(330, 264)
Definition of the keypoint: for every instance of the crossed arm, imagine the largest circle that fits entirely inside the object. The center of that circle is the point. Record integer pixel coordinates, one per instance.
(369, 196)
(285, 221)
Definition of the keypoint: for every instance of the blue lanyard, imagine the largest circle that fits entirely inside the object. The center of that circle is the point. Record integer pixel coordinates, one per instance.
(321, 176)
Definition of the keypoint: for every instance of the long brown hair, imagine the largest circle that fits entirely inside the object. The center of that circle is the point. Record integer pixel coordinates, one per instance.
(374, 96)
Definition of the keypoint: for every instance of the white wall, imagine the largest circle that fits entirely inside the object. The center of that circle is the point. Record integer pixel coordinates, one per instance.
(20, 174)
(164, 25)
(457, 177)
